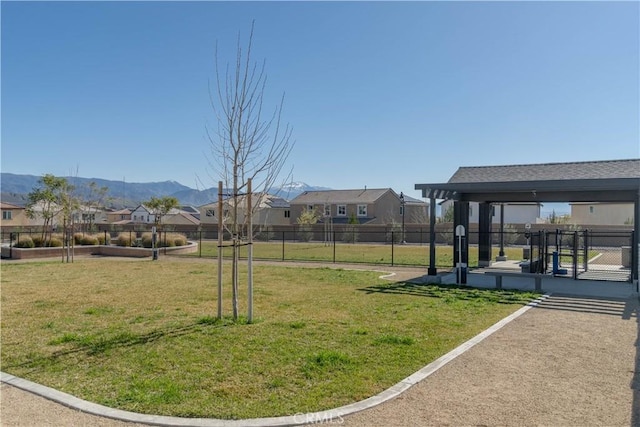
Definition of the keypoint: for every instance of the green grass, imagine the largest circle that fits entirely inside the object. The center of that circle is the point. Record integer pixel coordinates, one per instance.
(352, 253)
(144, 336)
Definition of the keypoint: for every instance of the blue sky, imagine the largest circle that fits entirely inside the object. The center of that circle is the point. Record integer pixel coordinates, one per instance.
(379, 94)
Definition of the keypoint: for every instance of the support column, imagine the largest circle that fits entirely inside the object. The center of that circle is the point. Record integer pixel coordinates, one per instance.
(432, 271)
(461, 217)
(501, 256)
(484, 238)
(635, 244)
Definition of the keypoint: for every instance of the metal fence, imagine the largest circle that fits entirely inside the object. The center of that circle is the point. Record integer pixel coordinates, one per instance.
(586, 253)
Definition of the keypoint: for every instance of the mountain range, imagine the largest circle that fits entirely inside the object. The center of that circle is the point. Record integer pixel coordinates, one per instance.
(15, 188)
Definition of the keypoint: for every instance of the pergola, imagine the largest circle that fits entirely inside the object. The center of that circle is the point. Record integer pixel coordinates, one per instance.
(613, 181)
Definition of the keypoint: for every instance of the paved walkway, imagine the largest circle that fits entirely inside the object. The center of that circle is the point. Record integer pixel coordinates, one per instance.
(567, 361)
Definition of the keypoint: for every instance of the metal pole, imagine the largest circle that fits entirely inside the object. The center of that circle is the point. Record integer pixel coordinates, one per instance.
(250, 251)
(220, 230)
(432, 271)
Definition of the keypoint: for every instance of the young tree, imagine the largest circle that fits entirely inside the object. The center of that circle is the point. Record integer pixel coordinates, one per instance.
(160, 206)
(305, 221)
(45, 201)
(248, 144)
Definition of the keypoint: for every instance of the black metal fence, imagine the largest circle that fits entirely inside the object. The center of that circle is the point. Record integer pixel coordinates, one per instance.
(578, 250)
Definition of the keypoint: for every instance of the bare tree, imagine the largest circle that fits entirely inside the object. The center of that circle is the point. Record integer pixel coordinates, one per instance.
(249, 145)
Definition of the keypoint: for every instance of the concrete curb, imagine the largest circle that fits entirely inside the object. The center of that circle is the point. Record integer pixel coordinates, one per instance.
(328, 416)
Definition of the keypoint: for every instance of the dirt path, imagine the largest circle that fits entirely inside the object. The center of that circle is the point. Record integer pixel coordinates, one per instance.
(569, 362)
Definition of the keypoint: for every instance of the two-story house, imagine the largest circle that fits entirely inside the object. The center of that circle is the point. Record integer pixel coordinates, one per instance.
(602, 213)
(13, 215)
(366, 206)
(514, 213)
(268, 210)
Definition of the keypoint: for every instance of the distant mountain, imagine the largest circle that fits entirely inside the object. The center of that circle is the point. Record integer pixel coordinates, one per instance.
(14, 189)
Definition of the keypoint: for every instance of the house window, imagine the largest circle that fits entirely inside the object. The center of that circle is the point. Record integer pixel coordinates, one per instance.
(470, 211)
(287, 214)
(6, 215)
(309, 207)
(401, 209)
(327, 210)
(590, 209)
(362, 210)
(123, 217)
(210, 212)
(342, 210)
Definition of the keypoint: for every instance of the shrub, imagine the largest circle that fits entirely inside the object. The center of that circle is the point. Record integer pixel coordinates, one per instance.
(55, 242)
(86, 239)
(164, 240)
(101, 238)
(124, 239)
(38, 241)
(146, 240)
(89, 240)
(180, 240)
(25, 242)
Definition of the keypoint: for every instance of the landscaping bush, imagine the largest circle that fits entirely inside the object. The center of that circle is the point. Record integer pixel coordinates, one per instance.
(164, 240)
(101, 239)
(25, 242)
(86, 239)
(54, 241)
(89, 240)
(124, 239)
(180, 240)
(146, 240)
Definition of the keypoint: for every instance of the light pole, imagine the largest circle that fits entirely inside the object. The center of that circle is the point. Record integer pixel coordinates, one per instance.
(402, 208)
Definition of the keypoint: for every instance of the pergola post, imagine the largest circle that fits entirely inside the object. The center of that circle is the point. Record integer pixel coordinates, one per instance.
(461, 250)
(484, 236)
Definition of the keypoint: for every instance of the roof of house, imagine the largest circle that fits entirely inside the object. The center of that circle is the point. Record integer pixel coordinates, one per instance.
(4, 205)
(262, 199)
(608, 169)
(341, 196)
(167, 219)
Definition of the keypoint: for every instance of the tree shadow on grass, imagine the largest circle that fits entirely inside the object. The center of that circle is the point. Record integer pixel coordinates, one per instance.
(96, 344)
(455, 292)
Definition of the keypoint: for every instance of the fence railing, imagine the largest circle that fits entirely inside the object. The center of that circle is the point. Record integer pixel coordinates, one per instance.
(389, 246)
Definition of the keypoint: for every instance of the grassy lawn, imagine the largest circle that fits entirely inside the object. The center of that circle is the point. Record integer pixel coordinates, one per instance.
(353, 253)
(142, 335)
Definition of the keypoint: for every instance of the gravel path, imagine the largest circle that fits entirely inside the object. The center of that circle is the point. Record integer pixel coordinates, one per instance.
(568, 362)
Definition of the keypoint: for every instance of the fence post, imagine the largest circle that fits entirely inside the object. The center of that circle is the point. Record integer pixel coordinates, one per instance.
(283, 245)
(392, 246)
(200, 245)
(334, 247)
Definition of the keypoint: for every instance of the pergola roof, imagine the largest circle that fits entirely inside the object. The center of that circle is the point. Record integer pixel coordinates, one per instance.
(600, 181)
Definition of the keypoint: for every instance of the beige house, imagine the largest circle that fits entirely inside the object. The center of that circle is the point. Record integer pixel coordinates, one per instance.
(179, 217)
(268, 210)
(366, 206)
(119, 217)
(602, 213)
(14, 215)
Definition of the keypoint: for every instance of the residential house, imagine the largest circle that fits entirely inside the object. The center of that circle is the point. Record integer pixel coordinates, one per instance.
(14, 215)
(366, 206)
(142, 215)
(514, 213)
(602, 213)
(122, 216)
(181, 217)
(268, 210)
